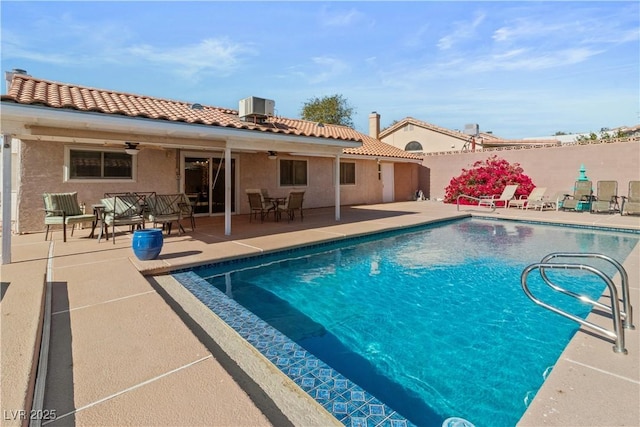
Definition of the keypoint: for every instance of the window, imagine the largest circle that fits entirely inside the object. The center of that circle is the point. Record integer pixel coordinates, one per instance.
(88, 164)
(347, 173)
(413, 146)
(293, 172)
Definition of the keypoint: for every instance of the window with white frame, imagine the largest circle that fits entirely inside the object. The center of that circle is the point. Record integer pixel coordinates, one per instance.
(347, 173)
(293, 173)
(98, 164)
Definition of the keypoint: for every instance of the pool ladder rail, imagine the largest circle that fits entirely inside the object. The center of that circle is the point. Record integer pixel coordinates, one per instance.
(622, 319)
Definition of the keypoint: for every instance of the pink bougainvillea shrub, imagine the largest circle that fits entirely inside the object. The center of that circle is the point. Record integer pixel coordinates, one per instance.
(487, 178)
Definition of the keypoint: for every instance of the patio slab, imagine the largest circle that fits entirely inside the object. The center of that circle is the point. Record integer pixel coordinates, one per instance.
(122, 354)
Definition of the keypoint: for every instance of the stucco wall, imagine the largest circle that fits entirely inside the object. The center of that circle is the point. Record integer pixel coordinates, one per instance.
(431, 141)
(406, 181)
(256, 172)
(556, 168)
(41, 171)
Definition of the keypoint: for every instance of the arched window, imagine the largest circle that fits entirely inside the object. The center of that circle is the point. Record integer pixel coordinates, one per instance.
(413, 146)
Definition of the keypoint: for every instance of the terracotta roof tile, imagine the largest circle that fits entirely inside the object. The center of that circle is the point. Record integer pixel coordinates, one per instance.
(25, 89)
(377, 148)
(425, 125)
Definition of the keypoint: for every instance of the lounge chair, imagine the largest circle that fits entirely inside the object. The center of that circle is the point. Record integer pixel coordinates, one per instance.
(165, 209)
(631, 202)
(525, 202)
(606, 198)
(122, 210)
(63, 209)
(258, 204)
(581, 198)
(507, 195)
(291, 205)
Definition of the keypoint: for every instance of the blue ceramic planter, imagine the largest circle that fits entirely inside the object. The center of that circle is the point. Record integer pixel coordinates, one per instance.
(147, 243)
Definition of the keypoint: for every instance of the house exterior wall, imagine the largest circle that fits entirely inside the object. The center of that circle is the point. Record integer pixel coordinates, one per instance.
(431, 141)
(556, 168)
(256, 172)
(41, 171)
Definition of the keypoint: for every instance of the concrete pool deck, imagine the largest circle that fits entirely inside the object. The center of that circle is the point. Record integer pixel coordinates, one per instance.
(128, 348)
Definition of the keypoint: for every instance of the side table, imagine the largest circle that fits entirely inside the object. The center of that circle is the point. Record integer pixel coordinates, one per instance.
(98, 211)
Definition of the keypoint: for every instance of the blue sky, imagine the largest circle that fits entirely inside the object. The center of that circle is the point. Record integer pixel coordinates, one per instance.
(519, 69)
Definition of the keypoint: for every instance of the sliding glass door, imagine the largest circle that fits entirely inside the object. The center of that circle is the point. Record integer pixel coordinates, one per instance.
(204, 182)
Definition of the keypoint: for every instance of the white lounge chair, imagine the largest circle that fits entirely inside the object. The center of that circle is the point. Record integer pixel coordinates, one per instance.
(532, 200)
(507, 195)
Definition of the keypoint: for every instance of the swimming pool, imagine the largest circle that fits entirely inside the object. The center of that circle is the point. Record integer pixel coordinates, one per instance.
(433, 322)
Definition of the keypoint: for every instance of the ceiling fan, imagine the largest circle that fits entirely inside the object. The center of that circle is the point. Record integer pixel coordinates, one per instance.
(132, 148)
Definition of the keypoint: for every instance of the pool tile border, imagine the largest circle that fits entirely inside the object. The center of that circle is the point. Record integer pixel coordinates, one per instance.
(346, 401)
(566, 225)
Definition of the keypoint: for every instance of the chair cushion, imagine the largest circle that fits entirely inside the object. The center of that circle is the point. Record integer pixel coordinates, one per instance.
(66, 202)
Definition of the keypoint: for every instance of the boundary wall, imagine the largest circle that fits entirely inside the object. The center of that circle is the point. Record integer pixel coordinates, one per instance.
(554, 166)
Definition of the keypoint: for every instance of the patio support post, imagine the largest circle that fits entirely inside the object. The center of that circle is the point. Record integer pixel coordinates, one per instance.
(227, 191)
(6, 199)
(337, 181)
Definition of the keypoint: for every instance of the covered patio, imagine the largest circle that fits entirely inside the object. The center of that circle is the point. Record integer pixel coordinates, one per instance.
(130, 347)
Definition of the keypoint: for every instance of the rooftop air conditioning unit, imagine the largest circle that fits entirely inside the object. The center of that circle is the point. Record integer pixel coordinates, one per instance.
(258, 108)
(472, 129)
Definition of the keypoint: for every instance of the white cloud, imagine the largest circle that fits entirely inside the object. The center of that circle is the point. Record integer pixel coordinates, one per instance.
(463, 31)
(327, 68)
(219, 55)
(345, 18)
(416, 39)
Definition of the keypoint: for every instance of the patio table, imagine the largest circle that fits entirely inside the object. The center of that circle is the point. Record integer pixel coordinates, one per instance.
(98, 211)
(275, 201)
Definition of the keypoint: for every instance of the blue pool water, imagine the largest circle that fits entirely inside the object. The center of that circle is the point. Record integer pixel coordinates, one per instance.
(433, 323)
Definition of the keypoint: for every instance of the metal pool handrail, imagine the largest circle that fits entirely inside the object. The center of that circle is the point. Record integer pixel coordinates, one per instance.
(627, 309)
(618, 331)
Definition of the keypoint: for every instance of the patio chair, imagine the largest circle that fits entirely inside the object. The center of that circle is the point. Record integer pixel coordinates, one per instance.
(525, 202)
(291, 205)
(165, 209)
(606, 198)
(187, 209)
(140, 197)
(122, 210)
(63, 209)
(631, 202)
(581, 198)
(258, 203)
(492, 201)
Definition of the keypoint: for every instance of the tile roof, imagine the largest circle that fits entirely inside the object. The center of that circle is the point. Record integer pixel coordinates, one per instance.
(374, 147)
(486, 139)
(25, 89)
(425, 125)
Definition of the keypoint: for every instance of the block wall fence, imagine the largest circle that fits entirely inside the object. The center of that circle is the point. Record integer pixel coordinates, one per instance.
(554, 167)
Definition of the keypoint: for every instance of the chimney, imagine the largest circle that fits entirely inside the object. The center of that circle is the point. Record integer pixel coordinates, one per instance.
(374, 125)
(8, 76)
